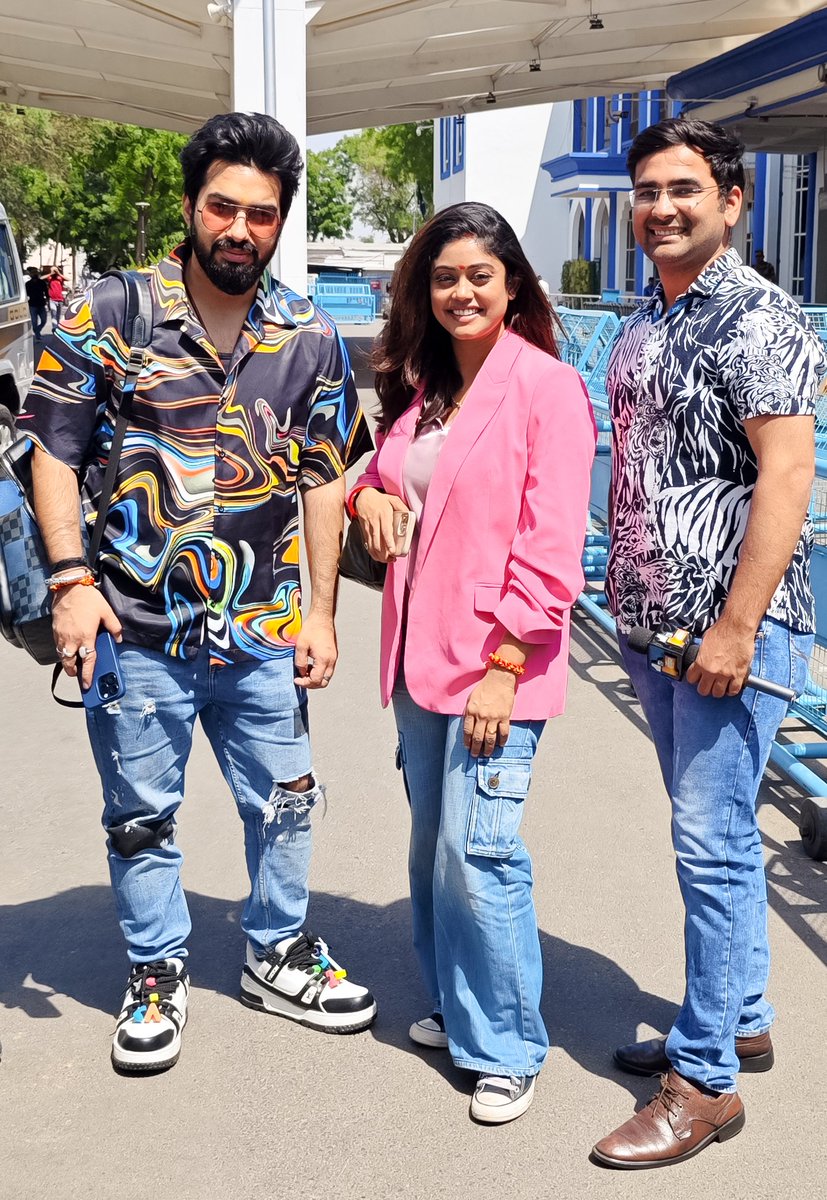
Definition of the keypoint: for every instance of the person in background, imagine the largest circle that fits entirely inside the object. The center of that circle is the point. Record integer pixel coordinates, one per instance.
(712, 388)
(487, 438)
(37, 291)
(56, 284)
(651, 286)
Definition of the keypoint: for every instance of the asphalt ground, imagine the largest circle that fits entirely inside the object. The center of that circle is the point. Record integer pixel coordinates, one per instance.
(259, 1106)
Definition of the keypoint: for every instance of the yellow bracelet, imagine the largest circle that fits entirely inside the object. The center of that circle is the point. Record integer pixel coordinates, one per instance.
(494, 660)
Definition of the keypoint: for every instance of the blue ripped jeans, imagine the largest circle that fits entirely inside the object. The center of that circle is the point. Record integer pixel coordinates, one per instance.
(474, 925)
(712, 754)
(256, 722)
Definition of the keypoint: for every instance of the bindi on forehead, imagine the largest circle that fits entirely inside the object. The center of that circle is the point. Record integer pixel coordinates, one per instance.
(462, 266)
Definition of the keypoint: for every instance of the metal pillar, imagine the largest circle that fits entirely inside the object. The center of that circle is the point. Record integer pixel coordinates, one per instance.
(270, 75)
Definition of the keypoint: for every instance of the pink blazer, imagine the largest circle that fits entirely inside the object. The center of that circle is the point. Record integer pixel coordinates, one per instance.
(502, 534)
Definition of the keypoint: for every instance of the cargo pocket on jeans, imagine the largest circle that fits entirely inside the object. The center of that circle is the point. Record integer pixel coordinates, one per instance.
(497, 807)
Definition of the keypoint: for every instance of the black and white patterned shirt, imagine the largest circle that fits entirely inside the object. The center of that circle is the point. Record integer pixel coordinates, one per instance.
(681, 383)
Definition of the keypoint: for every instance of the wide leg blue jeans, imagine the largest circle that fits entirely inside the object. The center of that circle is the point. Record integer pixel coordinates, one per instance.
(474, 925)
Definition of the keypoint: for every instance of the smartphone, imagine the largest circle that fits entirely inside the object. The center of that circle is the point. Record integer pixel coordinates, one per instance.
(403, 531)
(107, 684)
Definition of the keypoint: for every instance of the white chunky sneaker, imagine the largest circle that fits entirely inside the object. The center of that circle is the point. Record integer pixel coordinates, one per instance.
(430, 1032)
(298, 979)
(501, 1098)
(152, 1017)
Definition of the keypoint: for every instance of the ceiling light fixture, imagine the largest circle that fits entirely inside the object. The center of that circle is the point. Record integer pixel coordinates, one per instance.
(490, 98)
(534, 65)
(595, 22)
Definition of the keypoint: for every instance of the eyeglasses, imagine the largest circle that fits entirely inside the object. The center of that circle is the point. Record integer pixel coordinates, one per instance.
(220, 214)
(682, 195)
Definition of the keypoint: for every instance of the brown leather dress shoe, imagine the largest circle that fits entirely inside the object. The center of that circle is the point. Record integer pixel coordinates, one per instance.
(649, 1058)
(677, 1123)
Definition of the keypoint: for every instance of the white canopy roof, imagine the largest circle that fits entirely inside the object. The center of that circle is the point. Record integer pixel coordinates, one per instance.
(164, 63)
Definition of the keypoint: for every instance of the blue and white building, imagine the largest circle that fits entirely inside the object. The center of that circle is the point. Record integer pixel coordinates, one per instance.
(558, 171)
(493, 156)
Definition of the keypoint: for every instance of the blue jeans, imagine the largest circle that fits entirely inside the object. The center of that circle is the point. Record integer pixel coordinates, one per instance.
(712, 755)
(256, 722)
(474, 926)
(39, 314)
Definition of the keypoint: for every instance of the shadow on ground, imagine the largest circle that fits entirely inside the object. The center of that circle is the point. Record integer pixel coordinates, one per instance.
(69, 945)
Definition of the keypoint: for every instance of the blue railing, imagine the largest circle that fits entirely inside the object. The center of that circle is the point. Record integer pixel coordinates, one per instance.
(348, 299)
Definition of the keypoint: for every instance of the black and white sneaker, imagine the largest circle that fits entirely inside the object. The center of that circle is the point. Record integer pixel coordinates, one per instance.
(298, 979)
(153, 1015)
(430, 1032)
(501, 1098)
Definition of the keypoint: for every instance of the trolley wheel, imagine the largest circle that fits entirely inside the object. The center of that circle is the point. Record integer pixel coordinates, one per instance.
(813, 827)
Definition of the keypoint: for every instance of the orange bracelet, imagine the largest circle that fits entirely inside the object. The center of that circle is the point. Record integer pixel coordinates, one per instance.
(494, 660)
(84, 581)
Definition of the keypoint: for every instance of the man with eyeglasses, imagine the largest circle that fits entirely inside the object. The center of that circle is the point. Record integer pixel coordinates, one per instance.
(245, 404)
(712, 388)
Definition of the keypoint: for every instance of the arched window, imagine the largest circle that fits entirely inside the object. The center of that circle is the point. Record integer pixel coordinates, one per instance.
(580, 235)
(603, 246)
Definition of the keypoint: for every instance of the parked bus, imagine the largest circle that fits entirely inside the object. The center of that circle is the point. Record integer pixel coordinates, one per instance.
(16, 342)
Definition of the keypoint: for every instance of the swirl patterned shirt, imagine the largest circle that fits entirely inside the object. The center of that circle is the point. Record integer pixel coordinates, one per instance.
(202, 537)
(681, 384)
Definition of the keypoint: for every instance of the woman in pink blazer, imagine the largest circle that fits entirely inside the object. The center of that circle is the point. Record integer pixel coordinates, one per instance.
(488, 439)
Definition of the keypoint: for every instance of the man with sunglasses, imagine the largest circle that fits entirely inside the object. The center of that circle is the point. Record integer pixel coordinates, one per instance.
(245, 405)
(712, 388)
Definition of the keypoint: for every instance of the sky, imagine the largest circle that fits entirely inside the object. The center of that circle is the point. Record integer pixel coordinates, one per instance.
(323, 141)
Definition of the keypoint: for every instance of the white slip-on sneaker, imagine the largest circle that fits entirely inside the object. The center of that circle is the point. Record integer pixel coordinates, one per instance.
(501, 1098)
(152, 1017)
(430, 1032)
(298, 979)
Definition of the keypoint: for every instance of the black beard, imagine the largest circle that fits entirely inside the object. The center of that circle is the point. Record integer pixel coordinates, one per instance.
(234, 279)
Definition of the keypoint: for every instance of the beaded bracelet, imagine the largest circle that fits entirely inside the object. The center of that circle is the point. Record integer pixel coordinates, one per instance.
(494, 660)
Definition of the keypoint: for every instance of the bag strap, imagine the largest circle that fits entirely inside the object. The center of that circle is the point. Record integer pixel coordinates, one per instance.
(136, 328)
(57, 672)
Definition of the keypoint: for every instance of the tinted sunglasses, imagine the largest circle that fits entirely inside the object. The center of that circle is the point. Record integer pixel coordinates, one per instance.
(220, 214)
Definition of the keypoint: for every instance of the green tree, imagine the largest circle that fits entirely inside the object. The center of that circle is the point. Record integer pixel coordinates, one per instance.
(125, 165)
(38, 148)
(394, 180)
(77, 182)
(329, 210)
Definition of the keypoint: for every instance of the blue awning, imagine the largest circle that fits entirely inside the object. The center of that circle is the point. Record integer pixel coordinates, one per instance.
(773, 89)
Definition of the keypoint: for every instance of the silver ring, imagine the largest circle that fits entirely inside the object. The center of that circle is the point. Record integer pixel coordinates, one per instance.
(85, 651)
(64, 653)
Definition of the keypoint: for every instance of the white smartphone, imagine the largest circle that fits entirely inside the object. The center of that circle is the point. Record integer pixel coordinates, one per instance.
(403, 531)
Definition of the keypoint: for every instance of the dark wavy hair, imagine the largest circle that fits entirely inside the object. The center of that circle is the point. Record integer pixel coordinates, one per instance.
(414, 351)
(252, 139)
(722, 150)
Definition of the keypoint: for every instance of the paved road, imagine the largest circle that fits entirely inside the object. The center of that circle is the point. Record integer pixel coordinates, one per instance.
(257, 1106)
